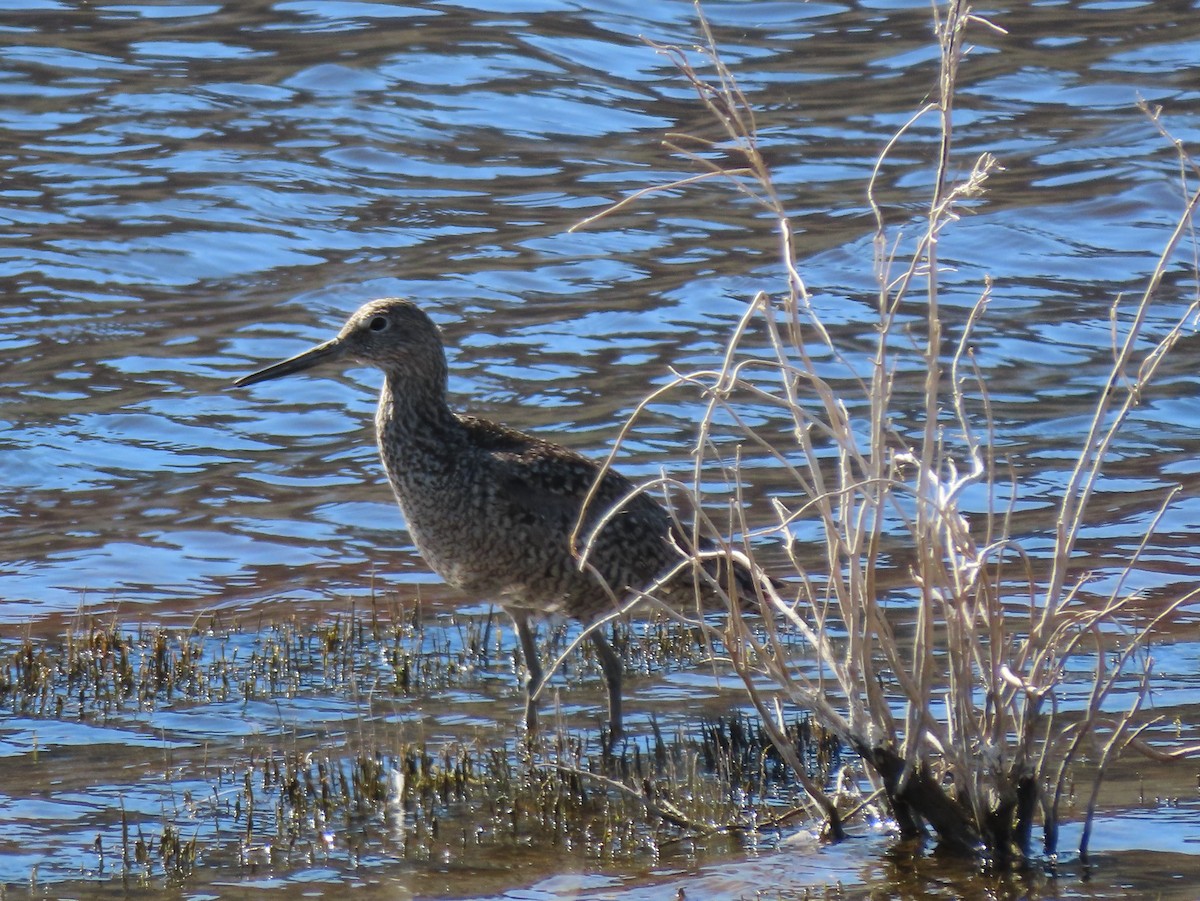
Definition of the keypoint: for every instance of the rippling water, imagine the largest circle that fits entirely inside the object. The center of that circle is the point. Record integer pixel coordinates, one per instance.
(194, 190)
(190, 191)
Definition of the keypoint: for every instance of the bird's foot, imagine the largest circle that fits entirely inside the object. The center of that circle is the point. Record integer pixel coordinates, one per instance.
(531, 716)
(611, 735)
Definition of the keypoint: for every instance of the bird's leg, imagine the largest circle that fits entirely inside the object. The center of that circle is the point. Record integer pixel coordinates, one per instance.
(533, 669)
(610, 663)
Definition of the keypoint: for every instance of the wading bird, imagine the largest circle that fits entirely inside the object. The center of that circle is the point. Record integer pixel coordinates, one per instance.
(493, 510)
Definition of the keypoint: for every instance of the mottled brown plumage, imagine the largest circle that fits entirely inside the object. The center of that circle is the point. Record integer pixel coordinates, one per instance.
(492, 509)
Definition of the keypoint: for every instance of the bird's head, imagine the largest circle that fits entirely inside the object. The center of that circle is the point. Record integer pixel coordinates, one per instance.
(392, 334)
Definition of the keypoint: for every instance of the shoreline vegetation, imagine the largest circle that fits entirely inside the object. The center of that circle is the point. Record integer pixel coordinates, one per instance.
(961, 727)
(279, 794)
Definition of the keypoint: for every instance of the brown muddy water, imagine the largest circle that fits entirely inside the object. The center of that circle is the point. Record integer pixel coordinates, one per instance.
(226, 671)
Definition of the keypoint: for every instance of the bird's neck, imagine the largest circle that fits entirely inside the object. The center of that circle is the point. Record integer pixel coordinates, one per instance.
(414, 423)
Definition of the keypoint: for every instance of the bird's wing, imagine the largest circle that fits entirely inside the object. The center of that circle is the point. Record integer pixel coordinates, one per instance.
(543, 485)
(542, 480)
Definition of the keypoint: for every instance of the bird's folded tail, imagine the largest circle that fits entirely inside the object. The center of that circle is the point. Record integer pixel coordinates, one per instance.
(739, 579)
(736, 577)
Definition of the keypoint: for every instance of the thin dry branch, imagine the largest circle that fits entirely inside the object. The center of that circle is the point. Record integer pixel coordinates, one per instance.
(952, 700)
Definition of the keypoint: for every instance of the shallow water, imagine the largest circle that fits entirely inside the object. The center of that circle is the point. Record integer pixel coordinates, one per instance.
(192, 191)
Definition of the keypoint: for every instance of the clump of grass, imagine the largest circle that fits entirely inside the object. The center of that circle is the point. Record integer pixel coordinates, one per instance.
(426, 803)
(319, 794)
(954, 716)
(105, 667)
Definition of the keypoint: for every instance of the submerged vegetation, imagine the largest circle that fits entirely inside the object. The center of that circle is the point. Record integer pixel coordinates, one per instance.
(972, 679)
(372, 780)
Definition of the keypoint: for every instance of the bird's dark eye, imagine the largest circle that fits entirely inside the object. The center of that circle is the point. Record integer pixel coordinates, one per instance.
(378, 324)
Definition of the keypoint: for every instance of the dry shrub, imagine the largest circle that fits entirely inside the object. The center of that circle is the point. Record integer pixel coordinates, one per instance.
(956, 718)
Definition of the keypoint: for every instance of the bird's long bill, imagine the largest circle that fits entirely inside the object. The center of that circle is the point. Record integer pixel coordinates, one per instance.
(330, 350)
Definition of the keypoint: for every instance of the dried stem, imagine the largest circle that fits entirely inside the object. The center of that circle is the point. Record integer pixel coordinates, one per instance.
(955, 717)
